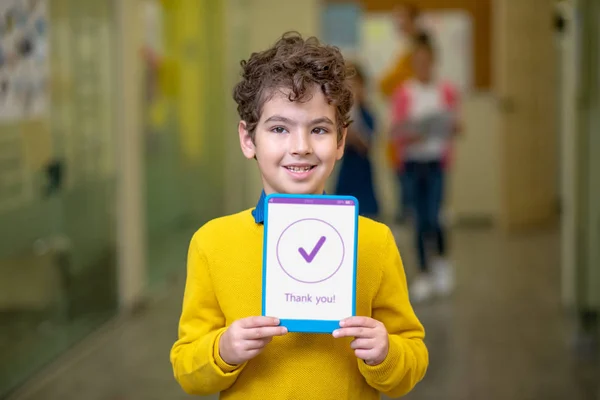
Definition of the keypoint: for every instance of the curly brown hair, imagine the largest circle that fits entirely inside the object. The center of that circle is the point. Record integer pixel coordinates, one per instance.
(294, 64)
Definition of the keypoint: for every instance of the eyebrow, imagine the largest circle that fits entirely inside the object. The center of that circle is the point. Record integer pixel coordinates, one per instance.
(279, 118)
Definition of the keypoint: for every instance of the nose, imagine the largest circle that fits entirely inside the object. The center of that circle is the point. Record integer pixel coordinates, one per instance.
(300, 143)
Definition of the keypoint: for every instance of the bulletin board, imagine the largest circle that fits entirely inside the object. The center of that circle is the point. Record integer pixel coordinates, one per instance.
(24, 66)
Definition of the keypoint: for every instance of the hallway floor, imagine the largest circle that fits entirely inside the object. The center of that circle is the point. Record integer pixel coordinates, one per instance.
(502, 335)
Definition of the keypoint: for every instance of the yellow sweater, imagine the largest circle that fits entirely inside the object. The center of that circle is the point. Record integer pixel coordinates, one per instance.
(224, 284)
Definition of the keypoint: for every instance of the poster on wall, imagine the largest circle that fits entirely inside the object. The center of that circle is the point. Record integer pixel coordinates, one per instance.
(340, 26)
(452, 33)
(24, 64)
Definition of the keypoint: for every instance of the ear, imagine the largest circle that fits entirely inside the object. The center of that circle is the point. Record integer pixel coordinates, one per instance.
(342, 144)
(246, 142)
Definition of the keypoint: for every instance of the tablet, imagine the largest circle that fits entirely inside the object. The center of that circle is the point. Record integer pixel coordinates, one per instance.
(309, 260)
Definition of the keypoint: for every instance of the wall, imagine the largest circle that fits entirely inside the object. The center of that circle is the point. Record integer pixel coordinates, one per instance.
(594, 178)
(525, 83)
(474, 190)
(131, 222)
(568, 152)
(588, 162)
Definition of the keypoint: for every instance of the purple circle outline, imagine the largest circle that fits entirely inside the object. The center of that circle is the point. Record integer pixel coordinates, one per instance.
(310, 219)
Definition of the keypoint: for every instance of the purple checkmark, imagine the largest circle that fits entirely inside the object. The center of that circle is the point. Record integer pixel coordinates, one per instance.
(313, 253)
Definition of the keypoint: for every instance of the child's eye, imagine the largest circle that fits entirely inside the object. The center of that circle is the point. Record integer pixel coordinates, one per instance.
(319, 131)
(279, 129)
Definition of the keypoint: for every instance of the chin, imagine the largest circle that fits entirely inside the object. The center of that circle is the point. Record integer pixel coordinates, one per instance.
(296, 188)
(302, 191)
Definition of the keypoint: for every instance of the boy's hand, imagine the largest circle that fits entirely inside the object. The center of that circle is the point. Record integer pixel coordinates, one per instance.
(247, 337)
(370, 342)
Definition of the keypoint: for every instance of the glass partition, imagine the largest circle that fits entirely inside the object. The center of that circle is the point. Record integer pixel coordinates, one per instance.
(184, 121)
(57, 180)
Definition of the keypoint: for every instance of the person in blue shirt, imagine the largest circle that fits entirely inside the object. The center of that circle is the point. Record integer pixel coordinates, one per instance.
(356, 173)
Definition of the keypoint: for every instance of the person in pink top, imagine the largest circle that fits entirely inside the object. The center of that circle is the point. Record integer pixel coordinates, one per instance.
(425, 120)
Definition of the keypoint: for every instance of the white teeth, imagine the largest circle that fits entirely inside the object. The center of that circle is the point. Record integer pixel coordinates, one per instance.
(299, 169)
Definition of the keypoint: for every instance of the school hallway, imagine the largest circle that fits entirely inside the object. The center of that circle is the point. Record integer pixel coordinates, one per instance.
(503, 335)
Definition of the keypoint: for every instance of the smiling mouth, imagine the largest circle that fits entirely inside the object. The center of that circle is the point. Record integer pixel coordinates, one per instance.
(294, 168)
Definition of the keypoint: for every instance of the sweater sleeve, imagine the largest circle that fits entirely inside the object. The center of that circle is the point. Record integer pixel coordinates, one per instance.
(451, 96)
(400, 108)
(400, 104)
(408, 358)
(195, 358)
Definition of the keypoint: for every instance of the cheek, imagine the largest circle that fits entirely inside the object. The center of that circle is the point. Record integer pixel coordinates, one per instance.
(328, 150)
(269, 152)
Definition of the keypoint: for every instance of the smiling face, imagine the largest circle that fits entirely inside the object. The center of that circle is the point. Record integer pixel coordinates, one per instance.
(295, 143)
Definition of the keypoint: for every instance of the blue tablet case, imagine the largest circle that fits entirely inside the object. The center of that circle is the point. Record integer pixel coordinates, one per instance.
(309, 326)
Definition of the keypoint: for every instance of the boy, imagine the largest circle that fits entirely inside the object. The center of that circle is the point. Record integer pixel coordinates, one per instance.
(293, 100)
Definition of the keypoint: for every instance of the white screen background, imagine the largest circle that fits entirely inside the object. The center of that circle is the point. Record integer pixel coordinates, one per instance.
(306, 234)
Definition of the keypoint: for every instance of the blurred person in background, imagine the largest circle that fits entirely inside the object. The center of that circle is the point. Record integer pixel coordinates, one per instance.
(356, 173)
(425, 121)
(405, 16)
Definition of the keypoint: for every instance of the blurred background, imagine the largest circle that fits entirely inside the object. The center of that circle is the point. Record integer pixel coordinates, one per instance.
(118, 140)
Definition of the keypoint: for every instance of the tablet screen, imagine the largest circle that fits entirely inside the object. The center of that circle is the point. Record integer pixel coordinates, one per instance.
(309, 260)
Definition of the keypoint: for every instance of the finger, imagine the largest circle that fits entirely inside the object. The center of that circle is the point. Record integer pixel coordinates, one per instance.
(356, 332)
(264, 332)
(358, 321)
(256, 322)
(257, 344)
(362, 344)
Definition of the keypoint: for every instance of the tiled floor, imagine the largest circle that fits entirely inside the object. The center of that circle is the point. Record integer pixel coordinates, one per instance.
(502, 335)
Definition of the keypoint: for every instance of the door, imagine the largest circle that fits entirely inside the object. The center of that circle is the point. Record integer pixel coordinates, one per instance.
(525, 72)
(588, 165)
